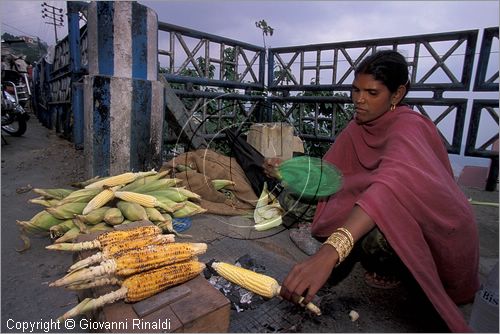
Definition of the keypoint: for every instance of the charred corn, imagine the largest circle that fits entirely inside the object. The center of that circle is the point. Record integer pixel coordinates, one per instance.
(141, 286)
(136, 260)
(132, 211)
(108, 238)
(111, 250)
(100, 199)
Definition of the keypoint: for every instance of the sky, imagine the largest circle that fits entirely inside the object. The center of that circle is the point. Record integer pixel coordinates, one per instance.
(294, 22)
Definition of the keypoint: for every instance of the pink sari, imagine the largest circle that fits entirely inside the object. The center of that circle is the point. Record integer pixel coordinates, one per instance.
(397, 170)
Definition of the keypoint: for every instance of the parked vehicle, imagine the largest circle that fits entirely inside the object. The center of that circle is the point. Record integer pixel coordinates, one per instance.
(14, 117)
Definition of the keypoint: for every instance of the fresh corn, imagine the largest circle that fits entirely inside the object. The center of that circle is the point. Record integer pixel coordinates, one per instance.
(42, 200)
(132, 211)
(220, 184)
(260, 284)
(143, 180)
(85, 183)
(113, 216)
(136, 260)
(81, 196)
(40, 223)
(100, 199)
(66, 211)
(58, 230)
(188, 193)
(108, 238)
(55, 193)
(118, 180)
(154, 215)
(190, 209)
(146, 201)
(169, 193)
(141, 286)
(93, 217)
(69, 235)
(101, 227)
(110, 250)
(155, 185)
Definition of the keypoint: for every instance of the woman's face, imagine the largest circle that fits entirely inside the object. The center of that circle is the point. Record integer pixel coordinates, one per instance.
(371, 98)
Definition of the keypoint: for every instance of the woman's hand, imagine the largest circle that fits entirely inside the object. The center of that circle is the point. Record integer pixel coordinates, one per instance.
(307, 277)
(270, 167)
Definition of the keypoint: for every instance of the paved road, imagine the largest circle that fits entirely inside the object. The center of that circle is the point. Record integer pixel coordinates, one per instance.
(41, 159)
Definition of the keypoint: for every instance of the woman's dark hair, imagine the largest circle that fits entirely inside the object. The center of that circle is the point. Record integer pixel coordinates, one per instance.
(387, 66)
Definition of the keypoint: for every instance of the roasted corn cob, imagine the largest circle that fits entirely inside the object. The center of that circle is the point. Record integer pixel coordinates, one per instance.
(109, 238)
(136, 260)
(141, 286)
(110, 250)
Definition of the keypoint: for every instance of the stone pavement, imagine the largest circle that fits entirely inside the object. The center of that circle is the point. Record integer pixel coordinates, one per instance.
(41, 159)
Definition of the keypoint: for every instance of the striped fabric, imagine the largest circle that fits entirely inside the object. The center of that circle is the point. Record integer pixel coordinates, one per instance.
(125, 36)
(123, 124)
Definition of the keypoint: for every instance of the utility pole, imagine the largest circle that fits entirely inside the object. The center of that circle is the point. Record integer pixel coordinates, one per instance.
(57, 19)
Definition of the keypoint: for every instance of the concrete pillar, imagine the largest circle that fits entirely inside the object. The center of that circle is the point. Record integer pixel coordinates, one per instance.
(123, 100)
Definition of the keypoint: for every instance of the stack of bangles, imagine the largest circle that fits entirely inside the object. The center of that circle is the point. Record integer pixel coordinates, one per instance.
(342, 241)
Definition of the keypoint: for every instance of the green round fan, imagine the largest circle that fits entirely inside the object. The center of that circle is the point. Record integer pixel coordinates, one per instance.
(310, 177)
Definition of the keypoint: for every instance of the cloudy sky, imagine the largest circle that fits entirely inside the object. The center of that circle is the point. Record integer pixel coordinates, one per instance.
(294, 22)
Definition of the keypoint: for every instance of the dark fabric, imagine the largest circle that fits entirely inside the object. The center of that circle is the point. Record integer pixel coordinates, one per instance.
(397, 170)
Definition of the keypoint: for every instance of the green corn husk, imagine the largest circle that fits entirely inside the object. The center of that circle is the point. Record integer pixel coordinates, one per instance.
(190, 209)
(58, 230)
(40, 223)
(188, 193)
(169, 194)
(221, 184)
(156, 185)
(85, 183)
(43, 201)
(154, 214)
(94, 217)
(67, 211)
(54, 193)
(100, 227)
(183, 168)
(69, 236)
(143, 180)
(80, 196)
(132, 211)
(113, 216)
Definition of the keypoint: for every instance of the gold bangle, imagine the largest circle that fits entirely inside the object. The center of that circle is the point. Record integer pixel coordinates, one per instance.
(348, 233)
(341, 243)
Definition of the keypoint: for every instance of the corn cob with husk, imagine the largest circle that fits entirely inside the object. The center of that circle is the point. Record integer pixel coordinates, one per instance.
(100, 200)
(110, 250)
(152, 185)
(69, 235)
(53, 193)
(268, 211)
(101, 227)
(163, 221)
(132, 211)
(141, 286)
(118, 180)
(260, 284)
(221, 183)
(144, 200)
(143, 180)
(109, 238)
(83, 184)
(66, 211)
(168, 195)
(93, 217)
(136, 260)
(58, 230)
(113, 216)
(81, 196)
(39, 223)
(42, 200)
(189, 209)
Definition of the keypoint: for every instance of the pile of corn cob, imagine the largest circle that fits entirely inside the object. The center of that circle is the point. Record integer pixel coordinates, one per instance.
(142, 261)
(101, 203)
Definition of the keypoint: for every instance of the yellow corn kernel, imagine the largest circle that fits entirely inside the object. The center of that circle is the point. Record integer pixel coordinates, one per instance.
(141, 286)
(100, 200)
(260, 284)
(146, 201)
(136, 260)
(109, 238)
(144, 285)
(118, 180)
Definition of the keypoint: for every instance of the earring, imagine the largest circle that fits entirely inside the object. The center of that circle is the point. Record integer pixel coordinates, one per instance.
(393, 106)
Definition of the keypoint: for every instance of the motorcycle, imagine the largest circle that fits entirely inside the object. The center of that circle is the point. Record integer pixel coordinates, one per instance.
(14, 117)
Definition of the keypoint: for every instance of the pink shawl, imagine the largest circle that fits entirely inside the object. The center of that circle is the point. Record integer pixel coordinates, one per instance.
(397, 170)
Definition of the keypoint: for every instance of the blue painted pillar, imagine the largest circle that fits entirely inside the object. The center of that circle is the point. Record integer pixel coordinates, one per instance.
(123, 100)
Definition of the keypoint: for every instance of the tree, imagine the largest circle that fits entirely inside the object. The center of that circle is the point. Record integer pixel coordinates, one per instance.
(266, 30)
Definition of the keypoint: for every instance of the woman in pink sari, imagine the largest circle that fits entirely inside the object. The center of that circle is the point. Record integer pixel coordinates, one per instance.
(399, 203)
